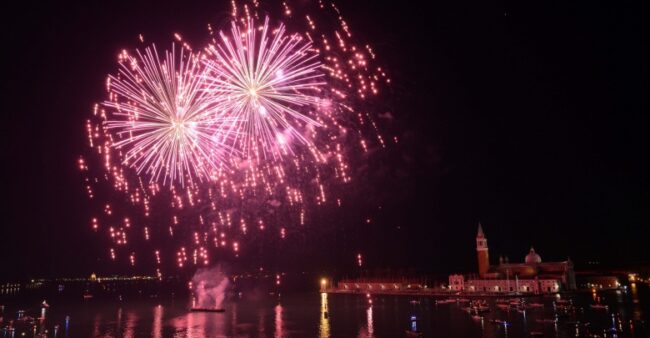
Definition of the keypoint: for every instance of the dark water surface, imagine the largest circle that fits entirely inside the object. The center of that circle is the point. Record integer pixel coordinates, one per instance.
(328, 315)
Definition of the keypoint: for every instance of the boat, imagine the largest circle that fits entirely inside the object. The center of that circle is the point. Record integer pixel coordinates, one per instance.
(547, 321)
(203, 309)
(413, 331)
(599, 306)
(87, 295)
(482, 309)
(410, 333)
(415, 302)
(500, 322)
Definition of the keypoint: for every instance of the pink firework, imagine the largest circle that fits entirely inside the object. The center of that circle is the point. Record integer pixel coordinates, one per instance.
(160, 116)
(208, 152)
(269, 82)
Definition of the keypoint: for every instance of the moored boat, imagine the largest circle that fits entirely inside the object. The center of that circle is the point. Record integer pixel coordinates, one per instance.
(599, 306)
(198, 309)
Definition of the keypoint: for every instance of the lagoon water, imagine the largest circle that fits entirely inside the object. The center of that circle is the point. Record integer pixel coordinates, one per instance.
(325, 315)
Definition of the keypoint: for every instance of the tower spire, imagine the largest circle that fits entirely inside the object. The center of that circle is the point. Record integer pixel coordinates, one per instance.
(482, 252)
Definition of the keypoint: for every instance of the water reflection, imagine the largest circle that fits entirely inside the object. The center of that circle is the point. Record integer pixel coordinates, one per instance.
(261, 325)
(370, 327)
(636, 305)
(156, 332)
(278, 322)
(130, 325)
(354, 316)
(324, 327)
(118, 323)
(96, 325)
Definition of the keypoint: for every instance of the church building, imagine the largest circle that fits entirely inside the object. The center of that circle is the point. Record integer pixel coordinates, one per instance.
(531, 276)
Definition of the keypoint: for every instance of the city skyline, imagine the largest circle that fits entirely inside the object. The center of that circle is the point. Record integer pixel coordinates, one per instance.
(537, 131)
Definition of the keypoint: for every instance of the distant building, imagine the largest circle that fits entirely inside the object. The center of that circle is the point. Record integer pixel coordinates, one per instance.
(532, 276)
(380, 285)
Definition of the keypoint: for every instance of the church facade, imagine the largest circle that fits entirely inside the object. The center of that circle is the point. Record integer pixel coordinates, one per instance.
(531, 276)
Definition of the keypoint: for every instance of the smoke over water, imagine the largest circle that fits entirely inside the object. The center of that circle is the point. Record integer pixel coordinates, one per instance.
(209, 286)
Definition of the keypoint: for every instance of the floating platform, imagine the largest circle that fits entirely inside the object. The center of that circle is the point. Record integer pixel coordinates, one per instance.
(200, 309)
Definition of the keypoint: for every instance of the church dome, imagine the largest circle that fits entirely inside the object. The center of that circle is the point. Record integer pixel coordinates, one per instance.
(532, 257)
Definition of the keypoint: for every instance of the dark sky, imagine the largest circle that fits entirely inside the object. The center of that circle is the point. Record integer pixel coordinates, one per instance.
(531, 118)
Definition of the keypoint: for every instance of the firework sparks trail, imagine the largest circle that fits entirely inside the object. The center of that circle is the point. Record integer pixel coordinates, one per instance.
(193, 146)
(267, 80)
(162, 117)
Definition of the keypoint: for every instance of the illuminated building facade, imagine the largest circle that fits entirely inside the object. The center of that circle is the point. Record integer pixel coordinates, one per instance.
(532, 276)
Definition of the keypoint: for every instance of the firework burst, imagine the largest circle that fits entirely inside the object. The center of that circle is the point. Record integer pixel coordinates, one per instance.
(269, 82)
(161, 116)
(206, 151)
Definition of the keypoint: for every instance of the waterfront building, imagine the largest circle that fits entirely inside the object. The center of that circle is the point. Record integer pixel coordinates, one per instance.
(381, 285)
(531, 276)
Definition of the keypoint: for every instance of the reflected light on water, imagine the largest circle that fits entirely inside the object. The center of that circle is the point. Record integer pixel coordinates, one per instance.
(278, 322)
(130, 325)
(636, 305)
(298, 315)
(324, 327)
(118, 321)
(370, 325)
(157, 322)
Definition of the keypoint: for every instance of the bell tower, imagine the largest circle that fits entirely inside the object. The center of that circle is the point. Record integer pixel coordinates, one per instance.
(482, 252)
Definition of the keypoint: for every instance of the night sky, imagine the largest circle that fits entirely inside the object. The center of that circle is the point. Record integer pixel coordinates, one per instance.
(532, 120)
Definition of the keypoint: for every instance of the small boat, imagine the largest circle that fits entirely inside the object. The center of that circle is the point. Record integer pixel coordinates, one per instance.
(87, 295)
(482, 309)
(599, 306)
(413, 331)
(203, 309)
(503, 306)
(500, 322)
(415, 302)
(547, 321)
